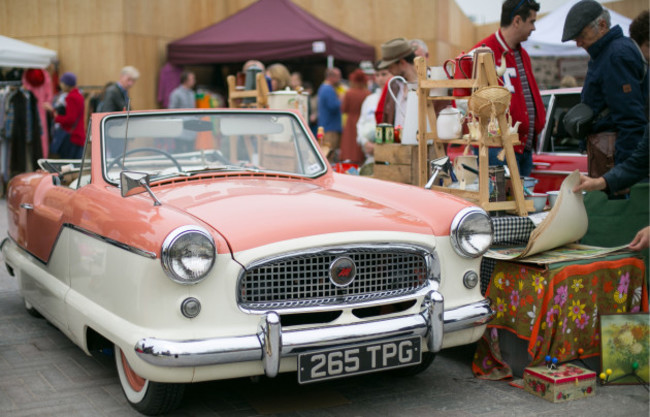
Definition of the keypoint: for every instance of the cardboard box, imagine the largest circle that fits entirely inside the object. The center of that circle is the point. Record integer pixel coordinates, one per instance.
(397, 162)
(565, 383)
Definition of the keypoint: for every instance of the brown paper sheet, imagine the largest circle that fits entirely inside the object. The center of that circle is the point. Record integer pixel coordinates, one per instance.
(565, 223)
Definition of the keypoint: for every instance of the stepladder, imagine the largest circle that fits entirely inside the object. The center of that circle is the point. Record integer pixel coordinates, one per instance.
(489, 104)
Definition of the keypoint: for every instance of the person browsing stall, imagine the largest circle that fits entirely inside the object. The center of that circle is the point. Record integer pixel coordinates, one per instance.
(183, 96)
(518, 19)
(616, 84)
(351, 107)
(391, 47)
(367, 124)
(421, 48)
(634, 169)
(70, 135)
(329, 111)
(397, 56)
(116, 97)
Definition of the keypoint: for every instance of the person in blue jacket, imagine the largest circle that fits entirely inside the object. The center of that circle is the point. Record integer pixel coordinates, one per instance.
(634, 169)
(616, 84)
(329, 111)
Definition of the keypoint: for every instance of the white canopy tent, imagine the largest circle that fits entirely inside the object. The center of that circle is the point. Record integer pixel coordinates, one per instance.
(19, 54)
(546, 40)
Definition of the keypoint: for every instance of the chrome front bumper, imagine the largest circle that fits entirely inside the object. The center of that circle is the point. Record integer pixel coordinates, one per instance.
(271, 343)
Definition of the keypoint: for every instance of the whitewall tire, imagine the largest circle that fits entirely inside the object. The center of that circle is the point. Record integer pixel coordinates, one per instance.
(149, 398)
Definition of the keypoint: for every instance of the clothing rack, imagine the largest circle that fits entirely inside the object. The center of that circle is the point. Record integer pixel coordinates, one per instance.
(11, 83)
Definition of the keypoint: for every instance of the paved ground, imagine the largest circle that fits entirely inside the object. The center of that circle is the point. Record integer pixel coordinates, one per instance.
(43, 374)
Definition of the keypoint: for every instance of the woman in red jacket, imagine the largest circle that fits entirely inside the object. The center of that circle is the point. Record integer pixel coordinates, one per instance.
(70, 124)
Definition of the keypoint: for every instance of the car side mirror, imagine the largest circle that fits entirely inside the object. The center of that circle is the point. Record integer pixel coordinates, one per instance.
(132, 183)
(439, 167)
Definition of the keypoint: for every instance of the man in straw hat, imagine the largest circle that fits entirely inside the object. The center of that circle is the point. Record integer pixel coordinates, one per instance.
(517, 23)
(616, 84)
(397, 55)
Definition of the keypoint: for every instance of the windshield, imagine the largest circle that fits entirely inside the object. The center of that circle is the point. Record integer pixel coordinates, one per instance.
(170, 144)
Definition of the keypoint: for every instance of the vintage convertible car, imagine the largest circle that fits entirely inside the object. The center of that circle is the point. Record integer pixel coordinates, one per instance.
(212, 244)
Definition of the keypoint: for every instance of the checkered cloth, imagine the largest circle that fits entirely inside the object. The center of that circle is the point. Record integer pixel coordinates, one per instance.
(508, 230)
(512, 230)
(487, 266)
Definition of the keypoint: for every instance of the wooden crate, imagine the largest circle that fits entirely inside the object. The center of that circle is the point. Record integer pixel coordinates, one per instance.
(279, 156)
(397, 162)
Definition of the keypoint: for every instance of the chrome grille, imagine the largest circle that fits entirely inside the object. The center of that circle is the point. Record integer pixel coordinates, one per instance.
(303, 280)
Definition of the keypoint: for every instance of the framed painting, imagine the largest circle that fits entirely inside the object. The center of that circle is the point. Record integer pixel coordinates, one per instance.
(625, 347)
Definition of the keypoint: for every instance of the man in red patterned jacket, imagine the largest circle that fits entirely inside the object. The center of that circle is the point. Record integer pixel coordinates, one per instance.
(517, 23)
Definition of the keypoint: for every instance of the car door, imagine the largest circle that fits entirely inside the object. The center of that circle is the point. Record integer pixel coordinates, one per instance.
(558, 154)
(46, 288)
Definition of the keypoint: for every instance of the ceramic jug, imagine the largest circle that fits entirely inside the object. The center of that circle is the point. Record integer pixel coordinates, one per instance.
(410, 111)
(449, 123)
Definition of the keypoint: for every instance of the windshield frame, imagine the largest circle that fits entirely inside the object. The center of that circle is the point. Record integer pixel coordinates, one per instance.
(302, 139)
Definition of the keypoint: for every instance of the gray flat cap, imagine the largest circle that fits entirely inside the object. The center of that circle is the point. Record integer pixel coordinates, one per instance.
(581, 14)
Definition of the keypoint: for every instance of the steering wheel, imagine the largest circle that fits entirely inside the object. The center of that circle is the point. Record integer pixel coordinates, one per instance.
(118, 160)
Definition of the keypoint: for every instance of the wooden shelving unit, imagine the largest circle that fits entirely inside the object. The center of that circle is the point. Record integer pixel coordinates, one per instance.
(485, 76)
(260, 93)
(236, 99)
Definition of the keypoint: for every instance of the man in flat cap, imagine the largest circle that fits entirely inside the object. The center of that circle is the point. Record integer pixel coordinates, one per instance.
(518, 19)
(616, 84)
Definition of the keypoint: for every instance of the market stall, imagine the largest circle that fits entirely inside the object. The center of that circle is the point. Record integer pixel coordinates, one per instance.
(273, 30)
(547, 291)
(554, 308)
(18, 54)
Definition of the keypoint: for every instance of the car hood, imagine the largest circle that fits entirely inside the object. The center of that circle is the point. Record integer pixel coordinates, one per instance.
(250, 212)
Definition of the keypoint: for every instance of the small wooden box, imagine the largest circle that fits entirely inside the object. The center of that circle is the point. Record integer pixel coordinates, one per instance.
(565, 383)
(397, 162)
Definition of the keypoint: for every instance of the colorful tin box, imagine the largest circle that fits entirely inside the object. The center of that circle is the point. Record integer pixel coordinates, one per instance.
(565, 383)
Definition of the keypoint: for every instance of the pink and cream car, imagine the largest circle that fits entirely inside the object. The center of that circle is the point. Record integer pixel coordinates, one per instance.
(212, 244)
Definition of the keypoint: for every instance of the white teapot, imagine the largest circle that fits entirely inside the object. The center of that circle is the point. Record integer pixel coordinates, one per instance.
(449, 124)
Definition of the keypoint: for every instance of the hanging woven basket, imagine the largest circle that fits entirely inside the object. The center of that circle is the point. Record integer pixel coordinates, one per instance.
(489, 101)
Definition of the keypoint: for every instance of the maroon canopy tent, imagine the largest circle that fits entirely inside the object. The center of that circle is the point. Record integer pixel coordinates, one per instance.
(267, 30)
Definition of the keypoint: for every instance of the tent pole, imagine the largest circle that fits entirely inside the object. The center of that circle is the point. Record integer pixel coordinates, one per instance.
(330, 61)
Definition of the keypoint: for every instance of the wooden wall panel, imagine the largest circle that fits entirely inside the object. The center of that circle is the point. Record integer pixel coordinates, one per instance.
(142, 53)
(483, 31)
(422, 22)
(95, 59)
(463, 34)
(27, 19)
(455, 34)
(49, 42)
(153, 17)
(84, 17)
(96, 38)
(442, 21)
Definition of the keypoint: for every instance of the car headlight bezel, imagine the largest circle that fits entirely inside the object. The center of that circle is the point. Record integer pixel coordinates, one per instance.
(175, 248)
(471, 222)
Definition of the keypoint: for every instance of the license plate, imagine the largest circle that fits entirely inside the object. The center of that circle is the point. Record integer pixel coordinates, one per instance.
(358, 359)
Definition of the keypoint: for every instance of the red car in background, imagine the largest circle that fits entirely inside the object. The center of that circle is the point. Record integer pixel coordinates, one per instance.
(557, 153)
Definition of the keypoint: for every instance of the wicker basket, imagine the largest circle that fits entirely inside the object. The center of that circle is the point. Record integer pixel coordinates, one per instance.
(489, 101)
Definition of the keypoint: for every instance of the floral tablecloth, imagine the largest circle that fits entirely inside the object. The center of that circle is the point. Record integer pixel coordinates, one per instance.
(556, 308)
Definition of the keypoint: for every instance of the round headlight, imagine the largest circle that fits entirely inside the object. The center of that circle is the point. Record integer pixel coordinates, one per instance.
(188, 254)
(471, 232)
